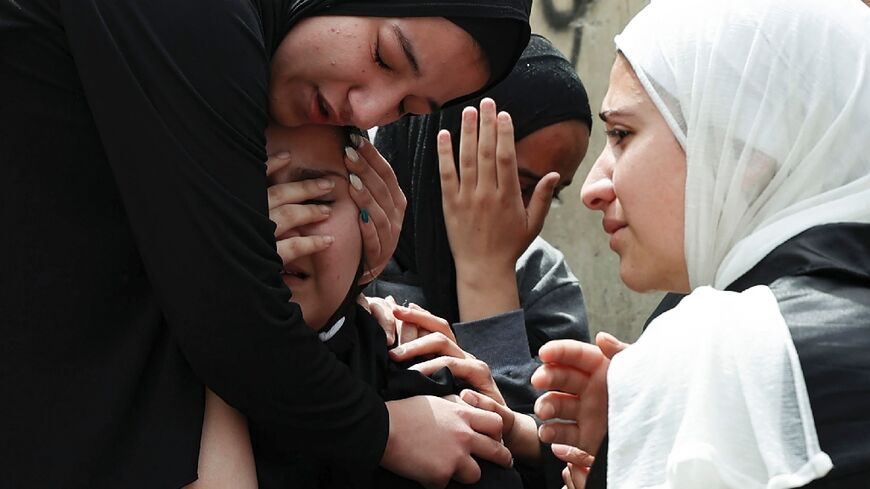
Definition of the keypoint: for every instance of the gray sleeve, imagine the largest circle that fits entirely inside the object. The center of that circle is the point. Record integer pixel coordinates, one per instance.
(552, 308)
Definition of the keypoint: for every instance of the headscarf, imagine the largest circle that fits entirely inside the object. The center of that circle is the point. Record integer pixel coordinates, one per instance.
(543, 89)
(500, 27)
(771, 103)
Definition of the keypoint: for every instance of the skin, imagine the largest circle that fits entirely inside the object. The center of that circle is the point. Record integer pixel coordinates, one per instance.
(320, 281)
(358, 68)
(453, 430)
(639, 185)
(558, 148)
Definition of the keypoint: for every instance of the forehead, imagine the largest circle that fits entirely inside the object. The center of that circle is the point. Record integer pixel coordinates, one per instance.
(314, 147)
(625, 91)
(558, 147)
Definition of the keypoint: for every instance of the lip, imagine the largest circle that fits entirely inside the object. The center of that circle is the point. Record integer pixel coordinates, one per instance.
(294, 275)
(612, 225)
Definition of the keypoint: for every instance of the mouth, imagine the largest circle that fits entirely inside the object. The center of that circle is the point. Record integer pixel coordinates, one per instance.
(294, 274)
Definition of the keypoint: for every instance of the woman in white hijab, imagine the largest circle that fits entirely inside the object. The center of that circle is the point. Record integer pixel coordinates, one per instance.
(737, 169)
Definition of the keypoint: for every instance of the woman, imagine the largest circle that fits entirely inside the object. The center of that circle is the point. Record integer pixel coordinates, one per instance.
(325, 285)
(134, 132)
(734, 170)
(531, 296)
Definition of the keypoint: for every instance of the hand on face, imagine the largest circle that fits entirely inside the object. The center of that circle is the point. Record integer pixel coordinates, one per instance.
(575, 373)
(287, 211)
(488, 226)
(376, 192)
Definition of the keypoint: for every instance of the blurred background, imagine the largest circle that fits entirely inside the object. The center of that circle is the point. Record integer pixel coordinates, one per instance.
(584, 30)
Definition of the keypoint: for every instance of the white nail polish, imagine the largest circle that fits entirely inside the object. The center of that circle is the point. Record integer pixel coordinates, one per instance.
(351, 153)
(356, 140)
(355, 181)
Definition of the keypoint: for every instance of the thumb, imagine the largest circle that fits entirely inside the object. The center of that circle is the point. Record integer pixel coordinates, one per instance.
(609, 345)
(277, 162)
(539, 204)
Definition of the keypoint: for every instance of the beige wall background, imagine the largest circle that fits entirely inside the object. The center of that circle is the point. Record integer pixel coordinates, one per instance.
(584, 30)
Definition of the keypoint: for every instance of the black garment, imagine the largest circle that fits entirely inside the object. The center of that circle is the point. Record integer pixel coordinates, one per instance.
(821, 280)
(138, 260)
(361, 345)
(543, 89)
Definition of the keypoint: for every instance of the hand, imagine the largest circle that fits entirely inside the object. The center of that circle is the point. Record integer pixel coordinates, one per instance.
(424, 425)
(376, 192)
(576, 375)
(578, 464)
(416, 322)
(488, 227)
(383, 312)
(287, 211)
(520, 432)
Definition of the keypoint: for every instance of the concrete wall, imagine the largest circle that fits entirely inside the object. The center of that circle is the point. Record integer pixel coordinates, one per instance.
(584, 31)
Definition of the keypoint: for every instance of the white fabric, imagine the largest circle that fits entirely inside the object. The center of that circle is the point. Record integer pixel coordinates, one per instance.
(770, 100)
(332, 331)
(715, 403)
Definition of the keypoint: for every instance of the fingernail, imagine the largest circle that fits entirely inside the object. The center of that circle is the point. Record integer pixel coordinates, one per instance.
(470, 397)
(325, 209)
(325, 183)
(364, 215)
(398, 350)
(351, 154)
(559, 450)
(283, 155)
(355, 182)
(328, 240)
(356, 140)
(545, 411)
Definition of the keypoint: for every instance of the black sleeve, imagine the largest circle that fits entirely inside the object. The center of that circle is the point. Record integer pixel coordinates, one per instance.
(178, 92)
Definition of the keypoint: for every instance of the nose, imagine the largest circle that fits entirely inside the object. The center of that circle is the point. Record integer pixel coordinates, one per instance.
(598, 192)
(377, 106)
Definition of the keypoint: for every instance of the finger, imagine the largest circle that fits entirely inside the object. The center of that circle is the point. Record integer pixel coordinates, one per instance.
(558, 432)
(609, 345)
(482, 401)
(292, 248)
(474, 372)
(277, 161)
(369, 178)
(557, 405)
(382, 167)
(490, 449)
(408, 333)
(567, 479)
(506, 156)
(447, 167)
(468, 151)
(572, 353)
(554, 377)
(290, 216)
(573, 455)
(486, 147)
(540, 202)
(433, 344)
(298, 192)
(385, 318)
(376, 230)
(467, 472)
(425, 320)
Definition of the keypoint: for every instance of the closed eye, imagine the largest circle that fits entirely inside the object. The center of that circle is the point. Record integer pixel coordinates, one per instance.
(378, 59)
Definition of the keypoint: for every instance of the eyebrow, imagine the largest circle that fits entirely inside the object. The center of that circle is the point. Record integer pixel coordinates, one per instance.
(605, 115)
(408, 50)
(305, 173)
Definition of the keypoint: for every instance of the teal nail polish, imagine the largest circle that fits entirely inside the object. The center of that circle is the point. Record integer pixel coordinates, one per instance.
(364, 215)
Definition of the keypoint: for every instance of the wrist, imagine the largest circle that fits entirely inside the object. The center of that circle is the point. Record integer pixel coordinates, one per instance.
(522, 440)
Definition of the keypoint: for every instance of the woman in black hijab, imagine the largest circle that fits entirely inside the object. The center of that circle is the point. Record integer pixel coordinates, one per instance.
(508, 316)
(138, 258)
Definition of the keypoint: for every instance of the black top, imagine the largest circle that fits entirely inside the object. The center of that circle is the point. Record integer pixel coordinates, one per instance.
(821, 281)
(138, 261)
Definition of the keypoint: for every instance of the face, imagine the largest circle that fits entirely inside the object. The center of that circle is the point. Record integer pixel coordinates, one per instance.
(557, 148)
(638, 183)
(320, 282)
(369, 71)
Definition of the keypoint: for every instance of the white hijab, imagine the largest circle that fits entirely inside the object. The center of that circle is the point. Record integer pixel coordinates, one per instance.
(770, 100)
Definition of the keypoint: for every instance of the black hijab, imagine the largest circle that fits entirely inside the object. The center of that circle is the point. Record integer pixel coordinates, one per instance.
(500, 27)
(542, 90)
